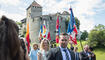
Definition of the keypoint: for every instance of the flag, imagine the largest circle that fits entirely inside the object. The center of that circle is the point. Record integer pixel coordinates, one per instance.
(44, 30)
(48, 36)
(72, 30)
(48, 32)
(57, 30)
(27, 38)
(40, 33)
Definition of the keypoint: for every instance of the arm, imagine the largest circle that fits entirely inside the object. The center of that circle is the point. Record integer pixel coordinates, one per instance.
(39, 55)
(30, 55)
(71, 44)
(27, 57)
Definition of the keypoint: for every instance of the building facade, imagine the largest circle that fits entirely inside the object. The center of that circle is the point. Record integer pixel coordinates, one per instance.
(36, 19)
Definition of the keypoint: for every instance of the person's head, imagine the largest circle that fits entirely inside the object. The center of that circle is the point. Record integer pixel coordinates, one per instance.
(75, 49)
(35, 46)
(45, 44)
(63, 41)
(86, 47)
(9, 41)
(90, 49)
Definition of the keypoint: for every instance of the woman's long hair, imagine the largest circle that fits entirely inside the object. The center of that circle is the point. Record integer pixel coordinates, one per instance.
(10, 48)
(42, 44)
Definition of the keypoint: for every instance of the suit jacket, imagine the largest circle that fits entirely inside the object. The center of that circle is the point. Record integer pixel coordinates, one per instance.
(55, 54)
(77, 56)
(83, 56)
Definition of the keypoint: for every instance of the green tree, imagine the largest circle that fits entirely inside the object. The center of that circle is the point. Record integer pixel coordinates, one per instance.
(22, 31)
(77, 22)
(19, 24)
(84, 35)
(97, 36)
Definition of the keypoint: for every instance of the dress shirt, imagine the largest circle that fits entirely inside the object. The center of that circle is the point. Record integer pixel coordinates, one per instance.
(64, 54)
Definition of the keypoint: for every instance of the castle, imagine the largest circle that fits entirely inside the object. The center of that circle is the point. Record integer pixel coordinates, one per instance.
(35, 19)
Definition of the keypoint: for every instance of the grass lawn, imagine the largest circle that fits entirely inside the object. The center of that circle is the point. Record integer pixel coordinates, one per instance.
(100, 53)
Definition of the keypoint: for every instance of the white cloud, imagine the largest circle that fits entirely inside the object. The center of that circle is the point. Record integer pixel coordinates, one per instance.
(52, 6)
(86, 24)
(85, 8)
(23, 10)
(10, 2)
(14, 16)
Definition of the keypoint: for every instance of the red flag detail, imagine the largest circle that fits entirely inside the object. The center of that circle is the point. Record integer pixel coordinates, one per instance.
(48, 36)
(57, 30)
(28, 42)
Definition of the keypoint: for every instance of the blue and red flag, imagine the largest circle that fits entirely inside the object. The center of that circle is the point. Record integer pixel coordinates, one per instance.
(72, 30)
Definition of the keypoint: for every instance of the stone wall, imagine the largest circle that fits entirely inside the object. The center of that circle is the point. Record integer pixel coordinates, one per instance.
(36, 11)
(34, 27)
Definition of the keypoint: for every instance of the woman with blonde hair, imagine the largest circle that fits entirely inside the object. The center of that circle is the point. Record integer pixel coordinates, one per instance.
(44, 48)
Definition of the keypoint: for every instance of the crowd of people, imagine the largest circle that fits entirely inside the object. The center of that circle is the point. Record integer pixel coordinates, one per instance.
(14, 48)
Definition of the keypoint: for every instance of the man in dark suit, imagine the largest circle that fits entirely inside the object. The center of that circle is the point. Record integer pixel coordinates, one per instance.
(61, 52)
(84, 55)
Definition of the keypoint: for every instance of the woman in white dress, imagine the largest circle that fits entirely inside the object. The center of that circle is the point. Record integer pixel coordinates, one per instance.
(44, 48)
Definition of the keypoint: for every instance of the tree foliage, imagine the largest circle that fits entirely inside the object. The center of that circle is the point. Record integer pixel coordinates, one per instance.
(84, 35)
(97, 36)
(77, 22)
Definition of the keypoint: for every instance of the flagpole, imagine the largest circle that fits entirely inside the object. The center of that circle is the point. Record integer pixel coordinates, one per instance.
(81, 44)
(70, 3)
(80, 40)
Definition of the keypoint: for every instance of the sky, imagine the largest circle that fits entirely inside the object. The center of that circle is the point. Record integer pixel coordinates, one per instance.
(89, 12)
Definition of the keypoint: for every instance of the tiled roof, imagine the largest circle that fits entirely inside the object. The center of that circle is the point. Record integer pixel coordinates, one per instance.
(34, 3)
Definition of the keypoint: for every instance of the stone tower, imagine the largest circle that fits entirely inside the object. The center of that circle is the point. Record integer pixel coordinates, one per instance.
(33, 13)
(35, 19)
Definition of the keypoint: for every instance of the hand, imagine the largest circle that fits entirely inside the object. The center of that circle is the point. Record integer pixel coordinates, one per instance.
(39, 54)
(92, 55)
(89, 55)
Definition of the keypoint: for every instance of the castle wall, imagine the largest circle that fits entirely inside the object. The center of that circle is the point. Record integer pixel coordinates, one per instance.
(35, 23)
(36, 11)
(34, 27)
(33, 18)
(28, 13)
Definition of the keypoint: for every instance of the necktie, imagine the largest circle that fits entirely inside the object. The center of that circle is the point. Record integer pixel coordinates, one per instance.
(67, 56)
